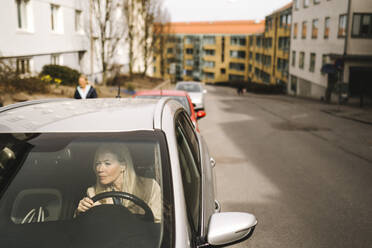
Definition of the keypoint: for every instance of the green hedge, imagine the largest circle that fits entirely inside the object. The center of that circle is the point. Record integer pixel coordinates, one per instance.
(30, 85)
(68, 75)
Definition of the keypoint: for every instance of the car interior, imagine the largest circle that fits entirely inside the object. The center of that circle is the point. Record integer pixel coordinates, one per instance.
(39, 206)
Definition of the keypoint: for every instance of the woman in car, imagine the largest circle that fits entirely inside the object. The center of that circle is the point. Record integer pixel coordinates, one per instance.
(114, 170)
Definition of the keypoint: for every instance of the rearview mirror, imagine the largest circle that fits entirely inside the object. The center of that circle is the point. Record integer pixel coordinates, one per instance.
(200, 114)
(230, 228)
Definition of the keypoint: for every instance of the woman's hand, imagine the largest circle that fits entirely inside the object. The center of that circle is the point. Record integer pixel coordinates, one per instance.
(85, 204)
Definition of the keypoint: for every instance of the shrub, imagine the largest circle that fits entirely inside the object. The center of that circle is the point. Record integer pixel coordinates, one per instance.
(30, 85)
(67, 75)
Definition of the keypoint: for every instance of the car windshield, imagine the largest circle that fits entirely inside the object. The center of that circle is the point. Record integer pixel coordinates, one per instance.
(189, 87)
(44, 178)
(180, 99)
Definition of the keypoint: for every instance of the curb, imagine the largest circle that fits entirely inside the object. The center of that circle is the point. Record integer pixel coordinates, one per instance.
(347, 117)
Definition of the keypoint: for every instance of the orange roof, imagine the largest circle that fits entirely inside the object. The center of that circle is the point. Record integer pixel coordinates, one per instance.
(217, 27)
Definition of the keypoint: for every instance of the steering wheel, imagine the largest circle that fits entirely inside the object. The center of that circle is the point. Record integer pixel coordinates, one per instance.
(149, 216)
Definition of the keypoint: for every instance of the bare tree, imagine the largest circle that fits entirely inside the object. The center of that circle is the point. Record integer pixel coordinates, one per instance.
(161, 33)
(110, 31)
(148, 12)
(129, 16)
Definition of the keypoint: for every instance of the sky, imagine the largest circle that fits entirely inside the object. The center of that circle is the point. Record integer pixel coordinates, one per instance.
(221, 10)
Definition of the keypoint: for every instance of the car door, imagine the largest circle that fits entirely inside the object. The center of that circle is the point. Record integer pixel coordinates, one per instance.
(189, 158)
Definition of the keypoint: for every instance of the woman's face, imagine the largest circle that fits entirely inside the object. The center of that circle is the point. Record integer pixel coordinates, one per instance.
(107, 168)
(82, 82)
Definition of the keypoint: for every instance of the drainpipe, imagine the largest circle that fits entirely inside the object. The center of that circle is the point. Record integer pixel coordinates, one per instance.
(347, 27)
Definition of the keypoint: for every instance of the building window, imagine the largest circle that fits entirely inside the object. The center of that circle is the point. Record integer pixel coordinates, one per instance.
(342, 26)
(302, 60)
(250, 55)
(295, 28)
(170, 50)
(237, 41)
(189, 40)
(304, 29)
(56, 59)
(189, 51)
(306, 3)
(251, 40)
(189, 73)
(258, 41)
(55, 18)
(258, 58)
(23, 14)
(23, 65)
(296, 4)
(189, 62)
(314, 31)
(294, 84)
(293, 58)
(237, 66)
(209, 64)
(237, 54)
(326, 27)
(316, 1)
(78, 22)
(249, 68)
(223, 70)
(209, 75)
(362, 26)
(154, 69)
(209, 40)
(312, 62)
(284, 43)
(324, 59)
(233, 77)
(209, 52)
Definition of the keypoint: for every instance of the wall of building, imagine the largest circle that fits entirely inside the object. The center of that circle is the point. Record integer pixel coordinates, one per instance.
(38, 41)
(320, 45)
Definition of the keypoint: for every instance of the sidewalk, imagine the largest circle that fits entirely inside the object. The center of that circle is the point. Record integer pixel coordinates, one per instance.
(347, 111)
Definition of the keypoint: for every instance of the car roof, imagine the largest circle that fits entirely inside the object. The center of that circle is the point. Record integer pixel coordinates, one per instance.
(189, 82)
(89, 115)
(161, 93)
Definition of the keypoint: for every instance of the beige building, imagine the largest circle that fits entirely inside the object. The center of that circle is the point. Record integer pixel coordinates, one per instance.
(331, 32)
(207, 51)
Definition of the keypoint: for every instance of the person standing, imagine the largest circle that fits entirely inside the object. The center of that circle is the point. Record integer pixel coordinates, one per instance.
(84, 90)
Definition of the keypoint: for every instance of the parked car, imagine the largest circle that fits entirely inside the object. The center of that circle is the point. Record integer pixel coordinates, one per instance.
(178, 95)
(49, 161)
(195, 91)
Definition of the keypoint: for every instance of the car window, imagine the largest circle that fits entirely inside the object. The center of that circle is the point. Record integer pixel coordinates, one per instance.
(189, 87)
(190, 178)
(43, 177)
(190, 133)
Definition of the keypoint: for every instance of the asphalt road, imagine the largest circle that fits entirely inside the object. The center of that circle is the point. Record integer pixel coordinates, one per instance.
(305, 174)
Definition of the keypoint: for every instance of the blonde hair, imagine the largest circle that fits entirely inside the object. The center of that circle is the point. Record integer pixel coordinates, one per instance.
(146, 189)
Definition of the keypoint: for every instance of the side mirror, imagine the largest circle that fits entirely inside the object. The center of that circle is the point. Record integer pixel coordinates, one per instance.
(200, 114)
(230, 228)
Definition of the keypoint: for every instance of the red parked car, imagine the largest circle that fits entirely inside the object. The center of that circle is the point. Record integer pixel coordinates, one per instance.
(181, 96)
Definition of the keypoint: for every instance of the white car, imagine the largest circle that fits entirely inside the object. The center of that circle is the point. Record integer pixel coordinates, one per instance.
(196, 92)
(51, 161)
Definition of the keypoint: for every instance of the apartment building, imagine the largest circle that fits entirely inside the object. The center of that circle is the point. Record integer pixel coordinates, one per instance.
(269, 51)
(207, 51)
(35, 33)
(336, 32)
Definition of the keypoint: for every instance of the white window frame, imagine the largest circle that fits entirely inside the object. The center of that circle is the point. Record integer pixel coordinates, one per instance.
(24, 15)
(79, 21)
(56, 18)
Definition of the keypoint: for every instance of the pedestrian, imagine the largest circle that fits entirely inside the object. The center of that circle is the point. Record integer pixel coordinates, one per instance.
(84, 90)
